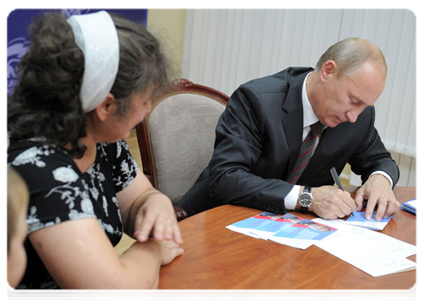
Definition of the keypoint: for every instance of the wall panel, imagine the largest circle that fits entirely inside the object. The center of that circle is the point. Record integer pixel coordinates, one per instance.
(225, 48)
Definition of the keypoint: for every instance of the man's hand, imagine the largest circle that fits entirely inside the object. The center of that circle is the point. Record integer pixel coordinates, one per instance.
(330, 202)
(377, 190)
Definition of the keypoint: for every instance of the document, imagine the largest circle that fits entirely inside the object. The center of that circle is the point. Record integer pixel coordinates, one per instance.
(359, 219)
(268, 229)
(286, 229)
(302, 234)
(372, 252)
(245, 226)
(410, 206)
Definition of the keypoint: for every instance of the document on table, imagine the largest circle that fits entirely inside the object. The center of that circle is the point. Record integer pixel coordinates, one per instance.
(267, 229)
(359, 219)
(372, 252)
(245, 226)
(410, 206)
(302, 234)
(286, 229)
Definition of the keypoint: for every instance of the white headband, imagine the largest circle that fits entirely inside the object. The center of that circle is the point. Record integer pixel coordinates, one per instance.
(96, 35)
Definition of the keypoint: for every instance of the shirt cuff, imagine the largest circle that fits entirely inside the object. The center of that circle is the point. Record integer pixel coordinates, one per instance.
(384, 174)
(292, 197)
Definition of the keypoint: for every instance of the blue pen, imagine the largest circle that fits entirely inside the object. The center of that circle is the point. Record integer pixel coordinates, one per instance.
(337, 181)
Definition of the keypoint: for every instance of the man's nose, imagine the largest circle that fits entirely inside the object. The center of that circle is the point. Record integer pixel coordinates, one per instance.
(352, 115)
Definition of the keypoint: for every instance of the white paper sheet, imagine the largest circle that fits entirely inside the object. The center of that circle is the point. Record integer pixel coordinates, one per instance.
(372, 252)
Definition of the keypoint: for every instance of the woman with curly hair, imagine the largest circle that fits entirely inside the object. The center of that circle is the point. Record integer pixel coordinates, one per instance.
(84, 83)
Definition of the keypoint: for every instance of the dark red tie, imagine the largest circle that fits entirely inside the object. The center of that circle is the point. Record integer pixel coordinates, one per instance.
(306, 152)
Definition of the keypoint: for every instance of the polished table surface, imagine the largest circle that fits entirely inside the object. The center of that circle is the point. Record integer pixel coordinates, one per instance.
(218, 258)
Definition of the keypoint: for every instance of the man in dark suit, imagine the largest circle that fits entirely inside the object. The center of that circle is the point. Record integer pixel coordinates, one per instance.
(259, 160)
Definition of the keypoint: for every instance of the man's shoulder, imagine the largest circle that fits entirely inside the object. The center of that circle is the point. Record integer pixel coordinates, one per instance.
(278, 82)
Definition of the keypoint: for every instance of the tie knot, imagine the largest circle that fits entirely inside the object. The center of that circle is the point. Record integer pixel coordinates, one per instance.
(317, 127)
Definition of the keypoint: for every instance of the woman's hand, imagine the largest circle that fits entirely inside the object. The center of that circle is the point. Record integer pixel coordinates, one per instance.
(169, 250)
(157, 216)
(147, 212)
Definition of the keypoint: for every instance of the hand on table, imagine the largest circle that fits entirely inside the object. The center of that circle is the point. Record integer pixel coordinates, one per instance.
(157, 216)
(377, 190)
(169, 250)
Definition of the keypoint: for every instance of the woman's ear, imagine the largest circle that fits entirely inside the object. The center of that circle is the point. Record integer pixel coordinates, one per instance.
(107, 108)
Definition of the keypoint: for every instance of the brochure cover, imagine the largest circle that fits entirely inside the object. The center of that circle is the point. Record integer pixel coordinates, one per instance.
(245, 226)
(286, 229)
(359, 219)
(270, 228)
(306, 230)
(302, 234)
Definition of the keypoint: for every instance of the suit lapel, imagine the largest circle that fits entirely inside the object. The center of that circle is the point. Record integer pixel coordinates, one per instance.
(292, 118)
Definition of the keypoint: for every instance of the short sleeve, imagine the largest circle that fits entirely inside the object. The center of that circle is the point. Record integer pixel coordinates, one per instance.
(124, 166)
(58, 192)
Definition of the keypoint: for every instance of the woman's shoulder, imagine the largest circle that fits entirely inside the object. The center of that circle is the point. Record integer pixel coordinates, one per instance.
(113, 149)
(114, 153)
(120, 162)
(34, 152)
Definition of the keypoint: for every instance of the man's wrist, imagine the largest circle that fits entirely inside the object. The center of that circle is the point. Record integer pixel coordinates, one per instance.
(291, 200)
(305, 199)
(297, 203)
(385, 175)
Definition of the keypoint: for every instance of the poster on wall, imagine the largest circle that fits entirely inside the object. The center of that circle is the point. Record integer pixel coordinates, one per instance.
(19, 20)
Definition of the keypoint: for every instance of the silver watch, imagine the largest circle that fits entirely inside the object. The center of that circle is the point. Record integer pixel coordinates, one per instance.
(305, 199)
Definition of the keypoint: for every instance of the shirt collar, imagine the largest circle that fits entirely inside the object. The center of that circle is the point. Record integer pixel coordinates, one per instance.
(309, 117)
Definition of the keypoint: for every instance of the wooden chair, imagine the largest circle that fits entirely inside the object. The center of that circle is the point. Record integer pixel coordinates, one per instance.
(176, 139)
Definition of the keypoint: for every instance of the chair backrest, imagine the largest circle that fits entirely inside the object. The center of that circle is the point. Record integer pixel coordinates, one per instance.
(176, 139)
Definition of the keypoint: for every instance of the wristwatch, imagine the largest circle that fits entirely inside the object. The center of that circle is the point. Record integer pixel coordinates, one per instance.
(305, 199)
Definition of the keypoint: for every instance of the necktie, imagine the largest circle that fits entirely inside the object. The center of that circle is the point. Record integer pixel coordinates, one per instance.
(306, 152)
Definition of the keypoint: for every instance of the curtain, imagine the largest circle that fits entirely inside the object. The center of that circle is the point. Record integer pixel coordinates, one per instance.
(225, 48)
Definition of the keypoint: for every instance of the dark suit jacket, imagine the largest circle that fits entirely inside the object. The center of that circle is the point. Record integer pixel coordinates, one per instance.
(258, 138)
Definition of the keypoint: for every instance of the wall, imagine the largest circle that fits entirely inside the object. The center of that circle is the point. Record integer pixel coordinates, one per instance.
(227, 47)
(168, 25)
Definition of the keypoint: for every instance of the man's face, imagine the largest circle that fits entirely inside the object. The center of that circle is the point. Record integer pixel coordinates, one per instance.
(340, 100)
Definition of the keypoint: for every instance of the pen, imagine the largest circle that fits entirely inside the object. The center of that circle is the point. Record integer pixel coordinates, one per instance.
(337, 181)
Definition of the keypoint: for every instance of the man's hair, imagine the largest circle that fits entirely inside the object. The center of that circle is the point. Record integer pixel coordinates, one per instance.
(350, 54)
(17, 201)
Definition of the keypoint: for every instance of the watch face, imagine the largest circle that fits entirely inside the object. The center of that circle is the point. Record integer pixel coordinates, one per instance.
(305, 200)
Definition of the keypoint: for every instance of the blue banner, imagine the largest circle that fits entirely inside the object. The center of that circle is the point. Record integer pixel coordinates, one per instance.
(17, 32)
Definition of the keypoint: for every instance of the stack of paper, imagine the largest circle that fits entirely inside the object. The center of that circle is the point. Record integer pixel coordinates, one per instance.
(410, 206)
(284, 229)
(248, 225)
(372, 252)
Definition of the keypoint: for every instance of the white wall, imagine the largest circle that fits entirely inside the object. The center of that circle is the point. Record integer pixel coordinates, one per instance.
(225, 48)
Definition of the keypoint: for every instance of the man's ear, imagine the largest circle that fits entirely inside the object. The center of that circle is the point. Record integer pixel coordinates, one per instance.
(328, 69)
(107, 108)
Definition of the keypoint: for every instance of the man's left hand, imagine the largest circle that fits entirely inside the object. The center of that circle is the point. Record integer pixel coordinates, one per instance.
(377, 190)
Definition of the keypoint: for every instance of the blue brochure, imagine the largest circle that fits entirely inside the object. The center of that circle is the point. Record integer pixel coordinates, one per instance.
(410, 206)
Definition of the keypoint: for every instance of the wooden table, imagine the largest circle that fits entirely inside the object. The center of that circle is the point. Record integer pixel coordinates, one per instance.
(218, 258)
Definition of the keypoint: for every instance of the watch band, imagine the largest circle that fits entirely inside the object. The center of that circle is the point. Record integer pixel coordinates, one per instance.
(304, 209)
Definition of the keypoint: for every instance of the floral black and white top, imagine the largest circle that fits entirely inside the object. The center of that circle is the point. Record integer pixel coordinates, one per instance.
(59, 192)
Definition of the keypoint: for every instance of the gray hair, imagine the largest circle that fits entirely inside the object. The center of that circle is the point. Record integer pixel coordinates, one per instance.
(350, 54)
